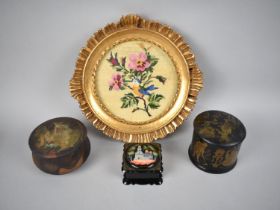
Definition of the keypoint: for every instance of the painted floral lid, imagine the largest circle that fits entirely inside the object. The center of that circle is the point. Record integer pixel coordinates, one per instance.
(57, 137)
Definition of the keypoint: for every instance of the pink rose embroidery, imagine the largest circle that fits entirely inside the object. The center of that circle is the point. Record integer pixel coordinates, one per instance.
(140, 92)
(116, 82)
(139, 62)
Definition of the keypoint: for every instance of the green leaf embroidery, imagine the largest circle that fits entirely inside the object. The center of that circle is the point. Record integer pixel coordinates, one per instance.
(161, 79)
(153, 63)
(129, 100)
(154, 100)
(119, 68)
(145, 75)
(133, 80)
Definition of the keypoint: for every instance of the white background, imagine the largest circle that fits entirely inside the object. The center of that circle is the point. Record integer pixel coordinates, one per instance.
(236, 44)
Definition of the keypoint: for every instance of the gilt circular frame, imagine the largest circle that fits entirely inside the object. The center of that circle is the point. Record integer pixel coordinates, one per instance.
(136, 80)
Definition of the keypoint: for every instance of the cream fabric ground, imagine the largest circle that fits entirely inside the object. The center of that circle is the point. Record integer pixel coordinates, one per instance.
(112, 99)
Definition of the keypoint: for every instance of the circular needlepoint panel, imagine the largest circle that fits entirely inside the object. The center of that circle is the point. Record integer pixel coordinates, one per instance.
(136, 80)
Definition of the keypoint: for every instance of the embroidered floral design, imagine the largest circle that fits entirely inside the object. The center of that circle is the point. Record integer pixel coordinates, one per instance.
(139, 62)
(116, 82)
(138, 78)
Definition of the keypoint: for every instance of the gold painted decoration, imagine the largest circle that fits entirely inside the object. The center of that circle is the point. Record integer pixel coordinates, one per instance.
(217, 138)
(136, 80)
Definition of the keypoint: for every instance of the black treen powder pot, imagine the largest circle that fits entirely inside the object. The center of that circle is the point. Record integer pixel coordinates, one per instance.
(217, 138)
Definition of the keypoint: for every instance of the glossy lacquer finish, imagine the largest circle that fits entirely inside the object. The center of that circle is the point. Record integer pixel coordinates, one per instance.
(59, 145)
(142, 163)
(217, 138)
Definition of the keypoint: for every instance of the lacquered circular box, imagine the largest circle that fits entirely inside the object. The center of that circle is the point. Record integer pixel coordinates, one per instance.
(59, 145)
(217, 138)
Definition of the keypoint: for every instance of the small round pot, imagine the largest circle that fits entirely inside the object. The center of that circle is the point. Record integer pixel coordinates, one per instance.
(217, 138)
(59, 145)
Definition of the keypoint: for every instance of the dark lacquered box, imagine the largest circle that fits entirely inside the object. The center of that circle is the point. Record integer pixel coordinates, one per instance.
(59, 145)
(142, 163)
(217, 138)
